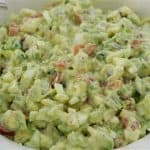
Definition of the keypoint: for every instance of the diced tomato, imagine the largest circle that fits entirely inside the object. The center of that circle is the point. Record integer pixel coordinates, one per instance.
(77, 48)
(115, 84)
(124, 122)
(13, 29)
(77, 17)
(90, 49)
(136, 43)
(6, 132)
(61, 64)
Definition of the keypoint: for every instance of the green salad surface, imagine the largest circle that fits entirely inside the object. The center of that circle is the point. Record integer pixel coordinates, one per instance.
(73, 77)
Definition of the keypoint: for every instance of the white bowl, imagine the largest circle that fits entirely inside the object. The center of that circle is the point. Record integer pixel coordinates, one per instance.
(140, 6)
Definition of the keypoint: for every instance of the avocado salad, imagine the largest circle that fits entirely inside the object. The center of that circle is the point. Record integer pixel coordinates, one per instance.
(74, 77)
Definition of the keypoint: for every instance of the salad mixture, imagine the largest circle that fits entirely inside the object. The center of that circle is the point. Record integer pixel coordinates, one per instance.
(73, 77)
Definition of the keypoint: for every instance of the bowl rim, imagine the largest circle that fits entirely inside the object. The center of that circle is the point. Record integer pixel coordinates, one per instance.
(141, 144)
